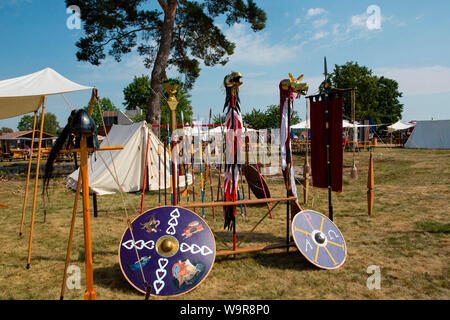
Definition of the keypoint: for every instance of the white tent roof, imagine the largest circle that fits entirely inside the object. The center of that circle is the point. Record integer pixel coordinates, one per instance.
(129, 162)
(301, 125)
(432, 134)
(345, 124)
(400, 125)
(219, 129)
(25, 94)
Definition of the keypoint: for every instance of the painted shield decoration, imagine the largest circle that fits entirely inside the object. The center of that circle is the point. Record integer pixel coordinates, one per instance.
(256, 182)
(174, 248)
(318, 239)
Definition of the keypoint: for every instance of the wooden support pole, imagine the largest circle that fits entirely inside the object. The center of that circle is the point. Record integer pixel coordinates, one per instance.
(28, 174)
(90, 293)
(253, 249)
(370, 185)
(92, 149)
(72, 227)
(36, 185)
(236, 203)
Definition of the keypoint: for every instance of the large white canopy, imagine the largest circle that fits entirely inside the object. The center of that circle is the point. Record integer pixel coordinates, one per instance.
(399, 125)
(25, 94)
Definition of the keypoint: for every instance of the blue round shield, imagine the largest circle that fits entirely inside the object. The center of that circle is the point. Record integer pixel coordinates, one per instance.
(318, 239)
(171, 249)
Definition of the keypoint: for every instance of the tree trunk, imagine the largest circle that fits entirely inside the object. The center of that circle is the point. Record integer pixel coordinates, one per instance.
(158, 72)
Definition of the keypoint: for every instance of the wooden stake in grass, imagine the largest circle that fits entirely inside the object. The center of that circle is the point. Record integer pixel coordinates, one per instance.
(370, 185)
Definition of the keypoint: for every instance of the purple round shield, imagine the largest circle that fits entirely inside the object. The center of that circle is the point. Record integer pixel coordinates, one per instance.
(172, 249)
(318, 239)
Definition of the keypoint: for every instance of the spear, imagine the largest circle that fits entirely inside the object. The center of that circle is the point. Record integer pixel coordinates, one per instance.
(159, 174)
(145, 172)
(193, 172)
(327, 128)
(186, 164)
(201, 169)
(178, 171)
(306, 166)
(219, 186)
(159, 162)
(165, 173)
(171, 165)
(209, 166)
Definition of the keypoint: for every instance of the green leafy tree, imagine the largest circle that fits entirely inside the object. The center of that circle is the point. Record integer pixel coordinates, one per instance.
(178, 33)
(268, 119)
(106, 105)
(388, 95)
(51, 125)
(6, 130)
(136, 95)
(25, 123)
(376, 97)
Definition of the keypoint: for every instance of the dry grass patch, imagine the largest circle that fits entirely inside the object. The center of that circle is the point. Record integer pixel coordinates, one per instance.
(407, 237)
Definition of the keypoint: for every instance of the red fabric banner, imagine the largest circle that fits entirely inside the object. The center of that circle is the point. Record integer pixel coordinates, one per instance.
(319, 168)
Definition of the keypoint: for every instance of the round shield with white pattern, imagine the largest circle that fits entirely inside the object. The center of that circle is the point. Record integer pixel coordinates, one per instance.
(318, 239)
(171, 249)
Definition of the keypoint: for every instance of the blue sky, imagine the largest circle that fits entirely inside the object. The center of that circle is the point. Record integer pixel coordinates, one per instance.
(411, 46)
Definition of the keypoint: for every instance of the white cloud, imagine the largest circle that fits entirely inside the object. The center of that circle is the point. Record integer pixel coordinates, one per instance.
(297, 21)
(110, 70)
(336, 28)
(320, 35)
(320, 22)
(255, 48)
(315, 11)
(420, 80)
(358, 20)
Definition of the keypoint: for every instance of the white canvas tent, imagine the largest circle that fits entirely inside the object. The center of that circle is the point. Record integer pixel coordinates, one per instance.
(26, 94)
(400, 125)
(432, 134)
(129, 163)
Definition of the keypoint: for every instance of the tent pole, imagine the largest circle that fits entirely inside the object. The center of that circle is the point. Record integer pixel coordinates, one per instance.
(28, 174)
(90, 293)
(36, 183)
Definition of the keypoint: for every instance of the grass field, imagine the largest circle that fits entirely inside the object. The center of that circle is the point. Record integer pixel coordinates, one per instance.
(407, 237)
